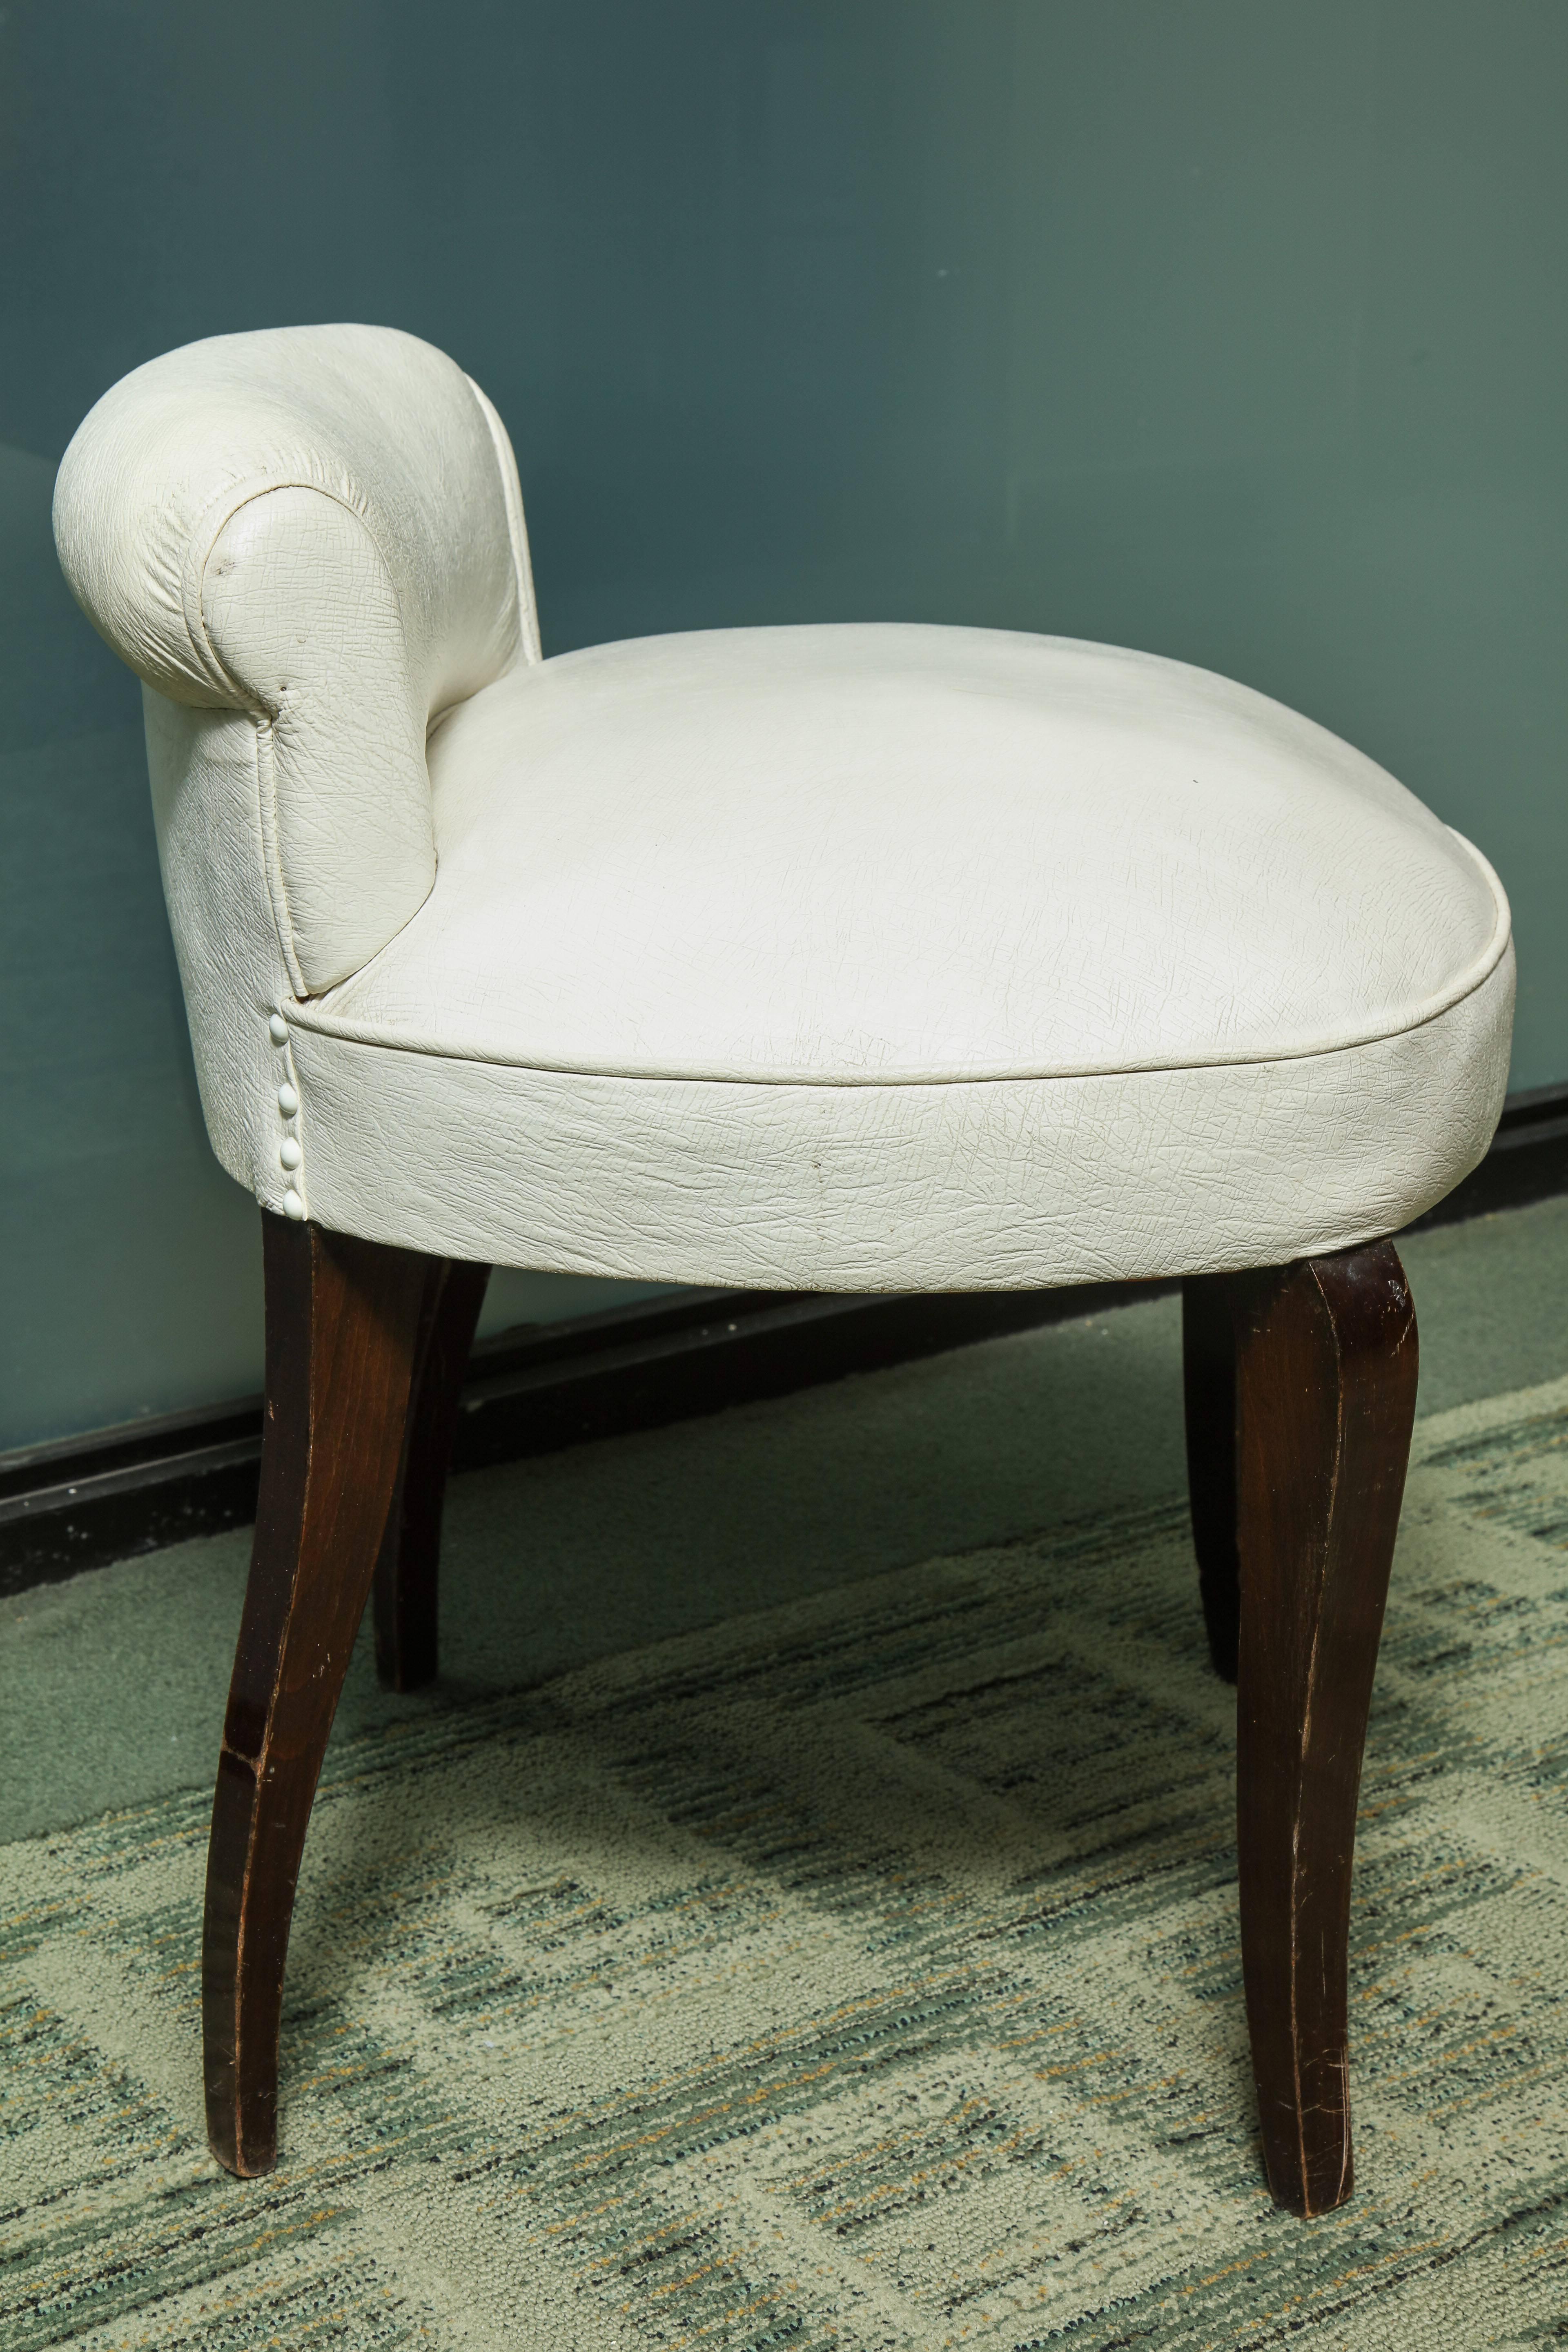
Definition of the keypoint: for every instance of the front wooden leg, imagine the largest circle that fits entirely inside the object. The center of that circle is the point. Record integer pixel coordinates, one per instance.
(341, 1324)
(408, 1587)
(1326, 1368)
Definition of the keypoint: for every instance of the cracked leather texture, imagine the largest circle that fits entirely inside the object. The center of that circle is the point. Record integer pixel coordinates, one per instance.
(861, 854)
(999, 1185)
(320, 526)
(853, 957)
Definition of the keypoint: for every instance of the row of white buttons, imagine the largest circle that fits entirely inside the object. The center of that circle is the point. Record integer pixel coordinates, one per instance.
(288, 1151)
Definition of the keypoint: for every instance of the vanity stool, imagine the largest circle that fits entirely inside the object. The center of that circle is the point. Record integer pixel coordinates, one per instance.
(851, 958)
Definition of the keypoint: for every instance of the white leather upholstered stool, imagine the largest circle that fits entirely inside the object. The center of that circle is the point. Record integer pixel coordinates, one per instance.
(853, 957)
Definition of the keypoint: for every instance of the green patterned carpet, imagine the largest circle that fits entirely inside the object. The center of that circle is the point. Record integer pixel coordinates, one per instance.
(864, 1974)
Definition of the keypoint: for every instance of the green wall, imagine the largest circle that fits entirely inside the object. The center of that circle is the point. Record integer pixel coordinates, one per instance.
(1229, 329)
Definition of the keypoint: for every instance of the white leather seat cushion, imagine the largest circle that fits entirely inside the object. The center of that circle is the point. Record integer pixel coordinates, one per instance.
(899, 956)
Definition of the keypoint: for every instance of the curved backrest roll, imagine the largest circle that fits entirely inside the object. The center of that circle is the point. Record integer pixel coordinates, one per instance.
(319, 527)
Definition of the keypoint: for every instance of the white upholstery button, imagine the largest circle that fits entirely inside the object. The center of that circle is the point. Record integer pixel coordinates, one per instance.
(278, 1029)
(290, 1152)
(288, 1101)
(292, 1204)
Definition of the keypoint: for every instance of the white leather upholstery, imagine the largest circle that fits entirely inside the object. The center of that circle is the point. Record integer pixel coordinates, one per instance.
(321, 528)
(858, 855)
(860, 957)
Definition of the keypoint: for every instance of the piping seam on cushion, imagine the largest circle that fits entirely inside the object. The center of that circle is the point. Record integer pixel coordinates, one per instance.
(1477, 977)
(307, 1017)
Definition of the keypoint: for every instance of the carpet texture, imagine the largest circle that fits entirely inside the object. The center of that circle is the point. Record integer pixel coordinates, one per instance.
(861, 1974)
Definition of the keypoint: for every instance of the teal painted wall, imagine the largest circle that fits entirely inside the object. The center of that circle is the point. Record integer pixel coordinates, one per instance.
(1231, 329)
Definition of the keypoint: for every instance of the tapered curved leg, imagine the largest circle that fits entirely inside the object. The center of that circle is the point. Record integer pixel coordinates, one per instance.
(342, 1326)
(407, 1588)
(1208, 1382)
(1326, 1366)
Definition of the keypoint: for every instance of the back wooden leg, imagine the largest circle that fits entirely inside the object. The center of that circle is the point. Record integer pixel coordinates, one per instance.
(1208, 1382)
(407, 1571)
(343, 1320)
(1326, 1368)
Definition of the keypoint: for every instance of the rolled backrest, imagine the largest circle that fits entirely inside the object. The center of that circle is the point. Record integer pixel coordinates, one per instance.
(318, 527)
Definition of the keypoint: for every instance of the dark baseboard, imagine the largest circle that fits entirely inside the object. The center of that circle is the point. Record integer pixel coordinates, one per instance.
(1528, 1160)
(80, 1503)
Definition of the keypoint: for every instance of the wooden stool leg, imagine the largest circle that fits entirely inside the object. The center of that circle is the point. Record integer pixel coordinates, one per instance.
(407, 1588)
(341, 1324)
(1208, 1382)
(1326, 1366)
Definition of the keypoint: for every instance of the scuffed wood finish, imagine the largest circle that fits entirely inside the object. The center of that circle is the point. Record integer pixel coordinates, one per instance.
(407, 1572)
(1326, 1369)
(1208, 1384)
(342, 1327)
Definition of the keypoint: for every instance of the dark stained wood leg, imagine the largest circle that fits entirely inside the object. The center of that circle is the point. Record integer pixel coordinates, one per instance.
(408, 1587)
(343, 1319)
(1326, 1369)
(1208, 1381)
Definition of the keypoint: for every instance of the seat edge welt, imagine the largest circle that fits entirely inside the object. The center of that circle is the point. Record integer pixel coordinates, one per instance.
(1022, 1184)
(312, 1015)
